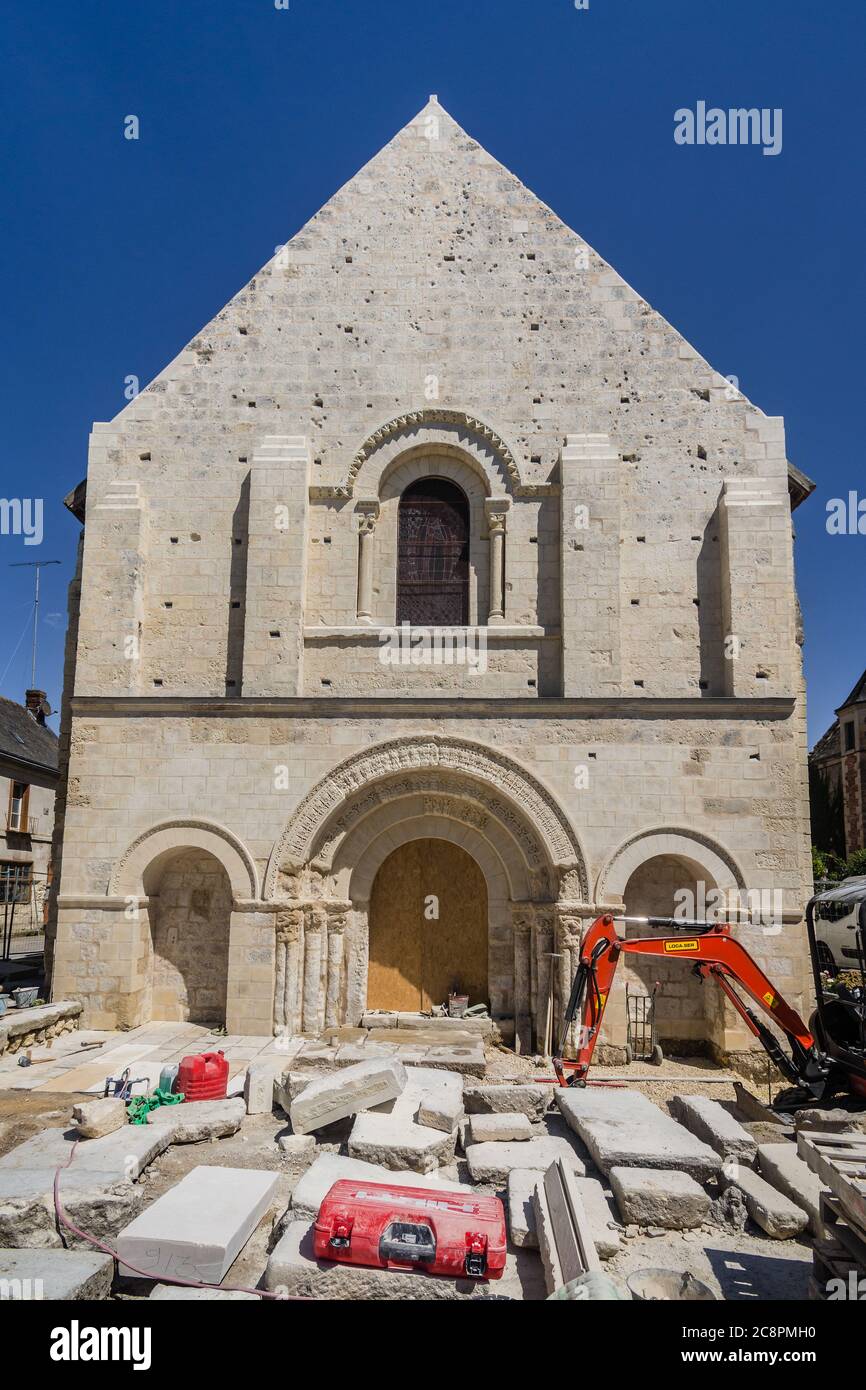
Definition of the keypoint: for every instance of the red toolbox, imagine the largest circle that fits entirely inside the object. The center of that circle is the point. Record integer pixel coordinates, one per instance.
(204, 1076)
(440, 1232)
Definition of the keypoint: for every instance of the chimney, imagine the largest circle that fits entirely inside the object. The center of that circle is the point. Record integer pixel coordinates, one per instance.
(37, 703)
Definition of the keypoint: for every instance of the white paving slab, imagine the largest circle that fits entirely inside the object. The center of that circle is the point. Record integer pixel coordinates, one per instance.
(197, 1229)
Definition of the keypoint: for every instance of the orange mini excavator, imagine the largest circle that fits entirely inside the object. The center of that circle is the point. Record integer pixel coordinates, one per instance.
(825, 1058)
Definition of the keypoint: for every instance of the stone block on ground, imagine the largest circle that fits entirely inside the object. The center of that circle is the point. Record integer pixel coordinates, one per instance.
(829, 1121)
(314, 1185)
(770, 1209)
(783, 1167)
(346, 1092)
(196, 1229)
(716, 1126)
(259, 1085)
(99, 1203)
(122, 1155)
(350, 1054)
(467, 1059)
(96, 1118)
(293, 1270)
(395, 1141)
(67, 1275)
(521, 1212)
(625, 1129)
(440, 1097)
(297, 1145)
(659, 1197)
(501, 1127)
(530, 1098)
(491, 1163)
(198, 1121)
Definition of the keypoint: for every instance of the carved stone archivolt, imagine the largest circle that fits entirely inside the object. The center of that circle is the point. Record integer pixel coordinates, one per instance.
(489, 780)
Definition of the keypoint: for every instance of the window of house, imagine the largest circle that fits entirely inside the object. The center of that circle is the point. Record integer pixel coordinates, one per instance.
(15, 882)
(433, 555)
(19, 801)
(849, 737)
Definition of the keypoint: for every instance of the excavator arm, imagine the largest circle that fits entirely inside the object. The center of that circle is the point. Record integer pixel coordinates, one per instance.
(717, 955)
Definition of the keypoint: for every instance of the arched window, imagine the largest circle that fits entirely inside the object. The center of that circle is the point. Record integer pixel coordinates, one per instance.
(433, 555)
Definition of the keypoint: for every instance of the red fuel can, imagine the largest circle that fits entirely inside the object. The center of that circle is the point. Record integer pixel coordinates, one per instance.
(203, 1076)
(429, 1229)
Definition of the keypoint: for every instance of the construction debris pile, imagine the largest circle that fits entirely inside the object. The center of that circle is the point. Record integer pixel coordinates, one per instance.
(394, 1162)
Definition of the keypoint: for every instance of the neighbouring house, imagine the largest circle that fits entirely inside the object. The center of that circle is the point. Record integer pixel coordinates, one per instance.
(837, 767)
(436, 597)
(28, 782)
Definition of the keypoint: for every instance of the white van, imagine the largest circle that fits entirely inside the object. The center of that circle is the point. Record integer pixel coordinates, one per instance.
(836, 926)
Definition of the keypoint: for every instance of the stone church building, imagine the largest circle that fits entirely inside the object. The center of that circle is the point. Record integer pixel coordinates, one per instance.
(435, 597)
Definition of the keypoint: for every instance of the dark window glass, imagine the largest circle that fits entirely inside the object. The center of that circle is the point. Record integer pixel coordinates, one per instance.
(849, 738)
(433, 555)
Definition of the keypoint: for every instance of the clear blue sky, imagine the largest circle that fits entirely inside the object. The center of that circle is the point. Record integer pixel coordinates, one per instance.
(114, 253)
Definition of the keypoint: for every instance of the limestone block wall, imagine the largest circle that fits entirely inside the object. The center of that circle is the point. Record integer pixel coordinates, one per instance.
(729, 790)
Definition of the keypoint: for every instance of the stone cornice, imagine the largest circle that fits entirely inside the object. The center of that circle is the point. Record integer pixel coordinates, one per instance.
(755, 708)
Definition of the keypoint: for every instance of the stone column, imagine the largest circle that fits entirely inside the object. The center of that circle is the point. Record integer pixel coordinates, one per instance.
(338, 918)
(367, 513)
(251, 983)
(288, 996)
(522, 915)
(543, 945)
(568, 930)
(496, 511)
(315, 966)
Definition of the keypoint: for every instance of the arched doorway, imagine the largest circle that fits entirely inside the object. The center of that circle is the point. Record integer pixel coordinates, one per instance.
(683, 1005)
(428, 928)
(190, 913)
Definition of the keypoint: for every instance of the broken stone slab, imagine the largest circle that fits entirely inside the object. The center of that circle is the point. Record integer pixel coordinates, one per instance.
(828, 1121)
(625, 1129)
(289, 1084)
(782, 1166)
(197, 1229)
(770, 1209)
(99, 1203)
(500, 1127)
(314, 1185)
(436, 1098)
(96, 1118)
(297, 1145)
(346, 1092)
(467, 1059)
(659, 1197)
(350, 1054)
(491, 1163)
(397, 1142)
(294, 1271)
(122, 1155)
(173, 1293)
(200, 1120)
(259, 1085)
(68, 1275)
(565, 1242)
(530, 1099)
(716, 1126)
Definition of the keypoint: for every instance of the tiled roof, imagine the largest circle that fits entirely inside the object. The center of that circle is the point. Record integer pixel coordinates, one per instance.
(22, 737)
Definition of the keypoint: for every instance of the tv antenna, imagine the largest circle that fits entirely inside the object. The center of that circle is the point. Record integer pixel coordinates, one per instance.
(37, 565)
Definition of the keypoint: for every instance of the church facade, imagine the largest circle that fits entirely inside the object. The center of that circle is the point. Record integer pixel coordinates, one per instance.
(436, 597)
